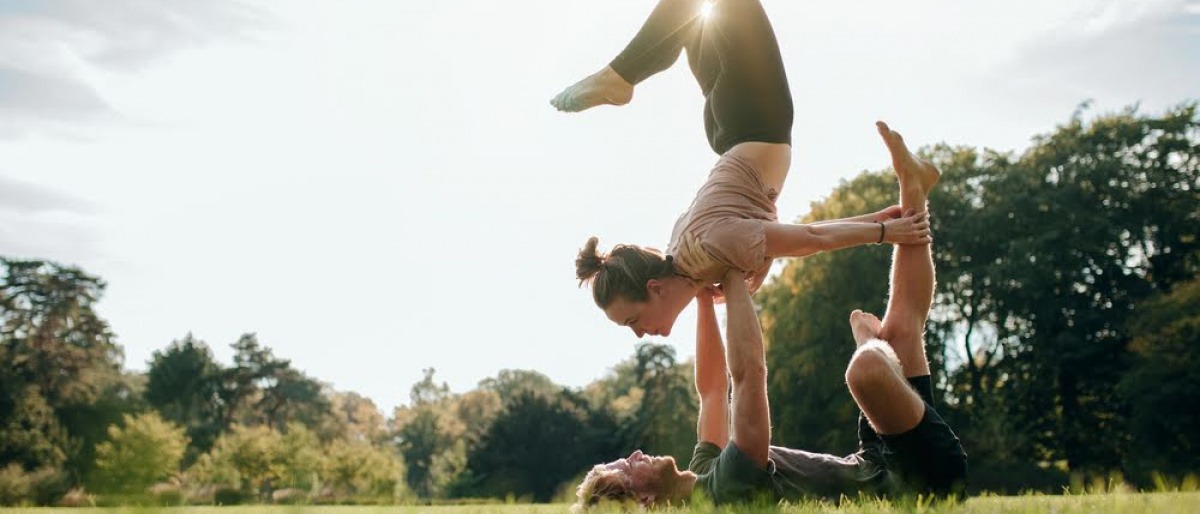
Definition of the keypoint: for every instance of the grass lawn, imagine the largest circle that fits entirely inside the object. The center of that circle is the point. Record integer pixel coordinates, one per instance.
(1127, 503)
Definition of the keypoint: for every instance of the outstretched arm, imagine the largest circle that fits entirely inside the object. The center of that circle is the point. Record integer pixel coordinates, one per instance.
(748, 368)
(800, 240)
(712, 378)
(870, 217)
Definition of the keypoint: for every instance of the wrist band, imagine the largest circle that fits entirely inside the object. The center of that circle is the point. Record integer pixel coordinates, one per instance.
(882, 230)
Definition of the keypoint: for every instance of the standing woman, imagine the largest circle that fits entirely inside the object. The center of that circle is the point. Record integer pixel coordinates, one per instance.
(732, 223)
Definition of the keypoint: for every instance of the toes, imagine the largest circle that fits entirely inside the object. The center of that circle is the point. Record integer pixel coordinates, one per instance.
(893, 139)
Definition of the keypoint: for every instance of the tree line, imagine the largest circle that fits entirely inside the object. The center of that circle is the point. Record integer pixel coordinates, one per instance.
(1063, 341)
(75, 428)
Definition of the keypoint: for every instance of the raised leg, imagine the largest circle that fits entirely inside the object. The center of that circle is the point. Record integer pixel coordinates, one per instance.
(893, 350)
(912, 278)
(750, 99)
(656, 46)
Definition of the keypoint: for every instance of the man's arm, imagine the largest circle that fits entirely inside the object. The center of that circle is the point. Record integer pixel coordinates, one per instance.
(748, 368)
(712, 379)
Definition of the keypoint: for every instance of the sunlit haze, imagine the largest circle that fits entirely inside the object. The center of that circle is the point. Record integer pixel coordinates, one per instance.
(377, 187)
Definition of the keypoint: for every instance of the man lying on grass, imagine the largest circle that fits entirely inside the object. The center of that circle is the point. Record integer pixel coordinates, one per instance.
(905, 447)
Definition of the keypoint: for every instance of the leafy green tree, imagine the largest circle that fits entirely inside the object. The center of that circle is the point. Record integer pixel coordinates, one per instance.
(476, 410)
(254, 369)
(261, 388)
(184, 385)
(357, 418)
(428, 435)
(143, 451)
(665, 420)
(60, 379)
(51, 335)
(511, 382)
(535, 444)
(357, 469)
(1164, 382)
(293, 396)
(119, 395)
(31, 435)
(247, 456)
(1109, 201)
(300, 458)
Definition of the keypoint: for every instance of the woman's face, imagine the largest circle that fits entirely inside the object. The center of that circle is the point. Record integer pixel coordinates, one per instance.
(656, 315)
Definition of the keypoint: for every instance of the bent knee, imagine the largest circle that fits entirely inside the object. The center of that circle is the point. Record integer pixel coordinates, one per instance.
(873, 363)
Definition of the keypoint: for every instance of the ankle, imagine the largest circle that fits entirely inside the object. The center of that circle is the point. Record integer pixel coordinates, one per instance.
(913, 197)
(610, 76)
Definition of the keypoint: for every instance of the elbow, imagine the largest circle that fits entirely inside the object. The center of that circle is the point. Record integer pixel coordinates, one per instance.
(818, 241)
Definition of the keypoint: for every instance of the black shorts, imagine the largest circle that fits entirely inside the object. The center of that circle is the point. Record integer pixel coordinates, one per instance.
(929, 459)
(735, 59)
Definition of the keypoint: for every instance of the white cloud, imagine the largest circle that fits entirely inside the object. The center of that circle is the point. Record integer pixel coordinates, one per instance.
(36, 221)
(28, 198)
(48, 49)
(1117, 51)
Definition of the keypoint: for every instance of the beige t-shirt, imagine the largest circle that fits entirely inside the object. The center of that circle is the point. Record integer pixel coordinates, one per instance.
(724, 227)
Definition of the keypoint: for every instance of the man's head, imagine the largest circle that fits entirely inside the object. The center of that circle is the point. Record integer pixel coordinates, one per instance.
(637, 478)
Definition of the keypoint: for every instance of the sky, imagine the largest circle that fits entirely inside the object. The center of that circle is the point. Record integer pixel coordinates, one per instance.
(378, 187)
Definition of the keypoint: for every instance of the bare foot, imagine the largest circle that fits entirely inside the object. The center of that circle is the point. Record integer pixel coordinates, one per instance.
(603, 87)
(865, 326)
(908, 167)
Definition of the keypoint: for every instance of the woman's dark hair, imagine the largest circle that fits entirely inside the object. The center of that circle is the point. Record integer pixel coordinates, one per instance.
(622, 272)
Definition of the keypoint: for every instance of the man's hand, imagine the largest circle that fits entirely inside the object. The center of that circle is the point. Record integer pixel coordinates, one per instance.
(912, 228)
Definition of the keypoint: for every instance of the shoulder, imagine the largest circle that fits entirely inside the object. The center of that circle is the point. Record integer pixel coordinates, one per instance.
(732, 477)
(703, 457)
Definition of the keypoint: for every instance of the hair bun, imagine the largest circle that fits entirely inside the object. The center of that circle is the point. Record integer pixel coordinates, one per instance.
(589, 261)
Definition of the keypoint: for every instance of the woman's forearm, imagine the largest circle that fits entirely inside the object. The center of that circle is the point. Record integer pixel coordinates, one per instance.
(787, 240)
(861, 218)
(844, 234)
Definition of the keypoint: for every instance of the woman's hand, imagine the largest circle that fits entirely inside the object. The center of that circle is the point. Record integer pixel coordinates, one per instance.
(910, 229)
(889, 213)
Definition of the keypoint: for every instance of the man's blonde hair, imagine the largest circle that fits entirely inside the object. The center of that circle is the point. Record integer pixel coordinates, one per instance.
(602, 484)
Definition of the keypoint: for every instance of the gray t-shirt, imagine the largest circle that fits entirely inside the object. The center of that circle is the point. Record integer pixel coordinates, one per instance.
(730, 476)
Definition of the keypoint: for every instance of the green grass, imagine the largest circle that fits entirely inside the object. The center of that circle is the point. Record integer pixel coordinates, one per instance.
(1115, 503)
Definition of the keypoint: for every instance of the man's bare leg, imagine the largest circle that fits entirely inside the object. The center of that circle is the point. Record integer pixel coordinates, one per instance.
(912, 277)
(877, 382)
(894, 349)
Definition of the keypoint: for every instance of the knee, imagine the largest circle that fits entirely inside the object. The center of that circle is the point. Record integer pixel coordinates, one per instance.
(872, 364)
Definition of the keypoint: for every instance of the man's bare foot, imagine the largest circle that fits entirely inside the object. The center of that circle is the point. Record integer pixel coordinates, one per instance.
(603, 87)
(910, 169)
(865, 326)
